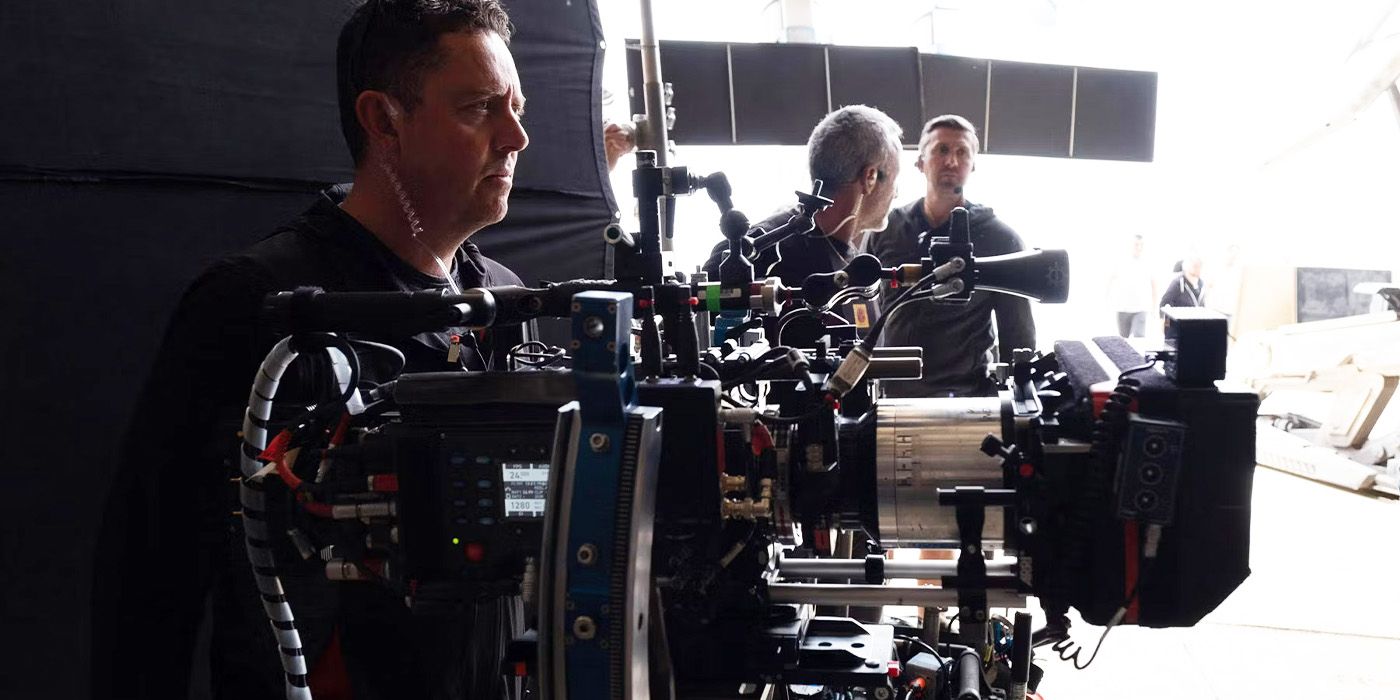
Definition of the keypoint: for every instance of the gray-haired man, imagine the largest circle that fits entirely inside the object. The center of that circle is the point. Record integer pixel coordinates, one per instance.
(854, 151)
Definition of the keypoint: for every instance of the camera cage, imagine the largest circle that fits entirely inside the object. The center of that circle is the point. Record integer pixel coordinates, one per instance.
(1068, 434)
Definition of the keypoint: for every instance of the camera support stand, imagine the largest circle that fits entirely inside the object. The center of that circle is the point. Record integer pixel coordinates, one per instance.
(972, 581)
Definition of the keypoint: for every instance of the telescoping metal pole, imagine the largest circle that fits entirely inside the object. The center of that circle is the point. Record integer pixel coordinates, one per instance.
(654, 136)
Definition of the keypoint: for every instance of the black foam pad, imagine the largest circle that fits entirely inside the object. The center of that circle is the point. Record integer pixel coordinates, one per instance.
(1076, 361)
(1125, 356)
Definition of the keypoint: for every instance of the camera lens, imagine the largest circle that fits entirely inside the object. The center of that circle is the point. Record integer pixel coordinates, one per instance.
(1150, 473)
(1145, 500)
(1154, 445)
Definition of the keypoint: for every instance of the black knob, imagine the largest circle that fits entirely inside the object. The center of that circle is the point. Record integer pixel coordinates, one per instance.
(993, 447)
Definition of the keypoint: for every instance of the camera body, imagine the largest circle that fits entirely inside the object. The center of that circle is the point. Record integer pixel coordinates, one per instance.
(704, 516)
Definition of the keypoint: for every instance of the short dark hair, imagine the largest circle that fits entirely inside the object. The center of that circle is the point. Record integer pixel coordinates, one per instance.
(948, 121)
(388, 45)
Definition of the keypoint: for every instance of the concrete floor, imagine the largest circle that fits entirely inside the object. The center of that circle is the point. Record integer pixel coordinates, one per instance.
(1319, 618)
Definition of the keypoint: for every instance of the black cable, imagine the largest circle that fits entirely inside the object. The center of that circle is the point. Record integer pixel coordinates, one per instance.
(756, 374)
(744, 395)
(920, 642)
(353, 359)
(462, 358)
(731, 401)
(545, 357)
(787, 318)
(392, 351)
(1152, 360)
(738, 331)
(304, 342)
(875, 330)
(762, 362)
(1066, 647)
(788, 420)
(840, 297)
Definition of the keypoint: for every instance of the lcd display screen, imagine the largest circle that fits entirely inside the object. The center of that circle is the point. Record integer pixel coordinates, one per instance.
(524, 485)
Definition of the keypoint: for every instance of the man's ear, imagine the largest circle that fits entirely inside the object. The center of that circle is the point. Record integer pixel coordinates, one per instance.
(870, 178)
(379, 115)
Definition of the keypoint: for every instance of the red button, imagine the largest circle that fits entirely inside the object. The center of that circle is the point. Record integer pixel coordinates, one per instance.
(475, 552)
(1027, 470)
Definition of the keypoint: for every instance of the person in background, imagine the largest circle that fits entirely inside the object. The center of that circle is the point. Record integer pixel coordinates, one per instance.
(958, 340)
(1132, 291)
(619, 139)
(854, 151)
(1187, 288)
(1222, 291)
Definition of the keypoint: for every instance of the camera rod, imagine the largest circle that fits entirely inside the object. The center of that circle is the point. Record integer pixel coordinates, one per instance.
(857, 568)
(866, 595)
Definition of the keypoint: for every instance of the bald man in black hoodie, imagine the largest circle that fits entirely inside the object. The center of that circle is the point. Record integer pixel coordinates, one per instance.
(958, 339)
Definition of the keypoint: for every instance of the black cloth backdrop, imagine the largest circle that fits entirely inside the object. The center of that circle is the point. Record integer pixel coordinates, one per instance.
(143, 140)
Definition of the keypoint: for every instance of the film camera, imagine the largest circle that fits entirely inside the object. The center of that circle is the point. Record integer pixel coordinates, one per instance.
(707, 519)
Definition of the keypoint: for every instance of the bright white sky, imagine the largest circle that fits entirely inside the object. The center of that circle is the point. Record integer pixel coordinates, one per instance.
(1245, 88)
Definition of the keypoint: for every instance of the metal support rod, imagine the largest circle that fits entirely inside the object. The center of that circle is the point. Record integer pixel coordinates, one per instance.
(932, 626)
(855, 568)
(842, 547)
(654, 137)
(923, 596)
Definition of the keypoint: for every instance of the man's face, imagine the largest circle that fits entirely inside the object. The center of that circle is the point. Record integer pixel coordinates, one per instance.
(947, 160)
(875, 209)
(457, 147)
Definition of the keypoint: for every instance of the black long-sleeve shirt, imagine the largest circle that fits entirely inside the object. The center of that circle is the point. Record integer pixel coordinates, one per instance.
(958, 339)
(1180, 292)
(168, 537)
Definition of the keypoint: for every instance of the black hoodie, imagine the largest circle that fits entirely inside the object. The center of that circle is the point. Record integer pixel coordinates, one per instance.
(958, 339)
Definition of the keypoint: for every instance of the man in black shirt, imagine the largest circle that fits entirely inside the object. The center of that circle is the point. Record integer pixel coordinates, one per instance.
(854, 151)
(958, 340)
(430, 107)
